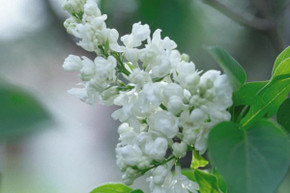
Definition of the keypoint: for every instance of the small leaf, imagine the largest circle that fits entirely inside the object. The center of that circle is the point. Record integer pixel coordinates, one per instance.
(197, 160)
(112, 188)
(283, 68)
(278, 78)
(220, 181)
(282, 56)
(283, 115)
(267, 101)
(230, 66)
(20, 113)
(253, 160)
(189, 174)
(206, 181)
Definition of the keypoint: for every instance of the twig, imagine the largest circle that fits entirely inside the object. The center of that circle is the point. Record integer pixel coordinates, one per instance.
(247, 20)
(266, 25)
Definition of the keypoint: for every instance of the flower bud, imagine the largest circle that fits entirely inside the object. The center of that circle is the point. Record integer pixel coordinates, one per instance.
(72, 63)
(179, 149)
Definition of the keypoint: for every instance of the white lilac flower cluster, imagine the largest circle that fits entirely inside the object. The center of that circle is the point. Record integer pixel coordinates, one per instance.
(167, 106)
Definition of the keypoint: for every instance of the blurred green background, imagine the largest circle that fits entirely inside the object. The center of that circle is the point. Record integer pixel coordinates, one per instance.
(52, 142)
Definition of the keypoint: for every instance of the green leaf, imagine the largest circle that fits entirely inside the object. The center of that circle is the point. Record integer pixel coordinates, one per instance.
(282, 56)
(267, 102)
(283, 68)
(251, 161)
(207, 182)
(197, 160)
(230, 66)
(244, 96)
(189, 174)
(20, 112)
(112, 188)
(283, 115)
(137, 191)
(220, 181)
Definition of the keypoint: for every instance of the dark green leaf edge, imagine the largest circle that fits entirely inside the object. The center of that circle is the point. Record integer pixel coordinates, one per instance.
(229, 65)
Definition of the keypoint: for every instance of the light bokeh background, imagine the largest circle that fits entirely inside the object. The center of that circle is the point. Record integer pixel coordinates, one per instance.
(76, 154)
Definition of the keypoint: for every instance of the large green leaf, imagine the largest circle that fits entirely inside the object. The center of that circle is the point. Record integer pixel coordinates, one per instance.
(230, 66)
(112, 188)
(282, 56)
(20, 112)
(197, 160)
(267, 101)
(283, 114)
(253, 160)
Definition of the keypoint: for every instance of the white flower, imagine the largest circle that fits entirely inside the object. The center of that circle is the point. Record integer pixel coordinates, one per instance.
(187, 76)
(157, 149)
(197, 116)
(159, 174)
(127, 101)
(160, 67)
(130, 175)
(105, 69)
(189, 135)
(73, 6)
(175, 105)
(223, 90)
(139, 77)
(163, 44)
(127, 133)
(130, 154)
(144, 163)
(179, 149)
(149, 96)
(172, 96)
(163, 181)
(72, 63)
(88, 70)
(164, 122)
(81, 93)
(181, 184)
(201, 140)
(108, 96)
(163, 98)
(139, 33)
(91, 8)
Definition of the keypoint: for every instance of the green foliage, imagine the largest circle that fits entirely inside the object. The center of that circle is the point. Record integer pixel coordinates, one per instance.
(220, 181)
(113, 188)
(283, 56)
(207, 182)
(255, 100)
(283, 68)
(230, 66)
(197, 160)
(137, 191)
(283, 114)
(244, 96)
(268, 101)
(253, 160)
(250, 154)
(20, 113)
